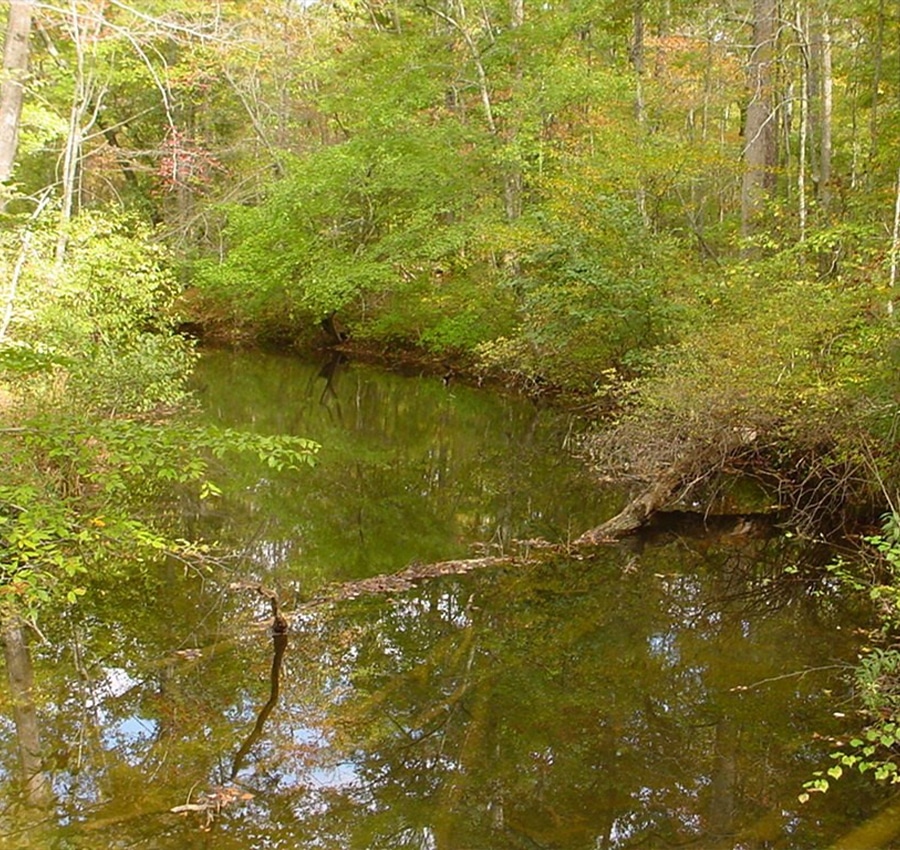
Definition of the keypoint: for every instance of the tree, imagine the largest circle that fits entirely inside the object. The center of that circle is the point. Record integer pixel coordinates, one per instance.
(760, 125)
(12, 85)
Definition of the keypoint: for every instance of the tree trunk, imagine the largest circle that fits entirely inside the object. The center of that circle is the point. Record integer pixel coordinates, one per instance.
(877, 63)
(516, 13)
(639, 510)
(895, 250)
(21, 688)
(512, 178)
(828, 258)
(12, 88)
(760, 131)
(640, 110)
(87, 101)
(826, 118)
(806, 92)
(695, 465)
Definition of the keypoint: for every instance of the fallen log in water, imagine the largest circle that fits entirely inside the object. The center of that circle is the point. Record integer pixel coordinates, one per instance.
(406, 578)
(672, 484)
(636, 513)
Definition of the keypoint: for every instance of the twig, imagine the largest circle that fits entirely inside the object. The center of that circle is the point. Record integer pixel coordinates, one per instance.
(796, 673)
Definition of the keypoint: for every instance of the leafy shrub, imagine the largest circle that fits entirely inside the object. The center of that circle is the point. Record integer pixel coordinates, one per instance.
(874, 748)
(87, 479)
(105, 317)
(796, 362)
(84, 496)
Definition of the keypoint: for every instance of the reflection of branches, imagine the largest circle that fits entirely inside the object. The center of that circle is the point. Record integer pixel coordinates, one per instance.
(795, 674)
(329, 373)
(279, 642)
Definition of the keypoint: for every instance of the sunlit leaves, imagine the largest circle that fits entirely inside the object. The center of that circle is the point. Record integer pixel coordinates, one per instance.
(86, 510)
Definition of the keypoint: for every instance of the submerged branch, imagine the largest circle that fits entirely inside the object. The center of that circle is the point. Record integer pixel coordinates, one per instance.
(412, 575)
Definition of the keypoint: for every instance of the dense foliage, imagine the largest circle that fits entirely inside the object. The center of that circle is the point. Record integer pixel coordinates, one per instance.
(93, 373)
(686, 211)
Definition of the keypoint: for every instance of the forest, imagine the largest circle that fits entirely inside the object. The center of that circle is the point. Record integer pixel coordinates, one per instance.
(680, 217)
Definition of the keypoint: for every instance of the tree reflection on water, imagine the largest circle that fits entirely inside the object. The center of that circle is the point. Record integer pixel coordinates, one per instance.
(614, 701)
(662, 692)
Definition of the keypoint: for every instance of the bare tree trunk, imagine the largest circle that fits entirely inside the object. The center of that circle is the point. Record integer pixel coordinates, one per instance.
(640, 110)
(806, 72)
(19, 267)
(877, 61)
(87, 100)
(638, 512)
(516, 13)
(760, 131)
(460, 25)
(827, 114)
(828, 257)
(512, 178)
(895, 250)
(12, 87)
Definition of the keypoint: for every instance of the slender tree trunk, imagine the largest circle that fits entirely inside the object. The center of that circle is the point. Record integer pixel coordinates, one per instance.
(760, 131)
(12, 87)
(802, 25)
(516, 13)
(895, 250)
(828, 258)
(87, 101)
(21, 687)
(512, 178)
(640, 109)
(827, 113)
(877, 61)
(855, 137)
(19, 267)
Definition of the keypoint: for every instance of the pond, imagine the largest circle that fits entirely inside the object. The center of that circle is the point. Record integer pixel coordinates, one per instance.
(672, 690)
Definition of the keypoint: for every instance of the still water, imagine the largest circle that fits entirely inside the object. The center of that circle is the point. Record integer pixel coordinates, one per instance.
(665, 692)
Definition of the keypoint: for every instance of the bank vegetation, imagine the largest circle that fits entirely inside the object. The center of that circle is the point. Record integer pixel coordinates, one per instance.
(684, 215)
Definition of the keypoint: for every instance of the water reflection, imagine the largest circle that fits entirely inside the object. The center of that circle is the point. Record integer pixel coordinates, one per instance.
(279, 644)
(410, 469)
(35, 784)
(673, 691)
(570, 704)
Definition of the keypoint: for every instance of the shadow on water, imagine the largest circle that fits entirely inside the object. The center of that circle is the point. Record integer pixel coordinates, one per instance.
(672, 691)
